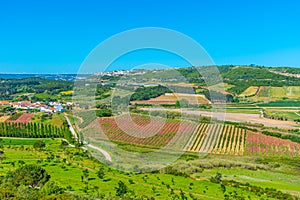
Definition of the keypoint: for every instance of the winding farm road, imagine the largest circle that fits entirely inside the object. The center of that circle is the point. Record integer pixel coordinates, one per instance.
(105, 153)
(72, 129)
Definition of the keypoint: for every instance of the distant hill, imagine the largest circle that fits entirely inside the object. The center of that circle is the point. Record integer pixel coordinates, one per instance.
(60, 77)
(236, 79)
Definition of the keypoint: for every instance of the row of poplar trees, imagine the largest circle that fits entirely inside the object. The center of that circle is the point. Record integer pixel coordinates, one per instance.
(33, 130)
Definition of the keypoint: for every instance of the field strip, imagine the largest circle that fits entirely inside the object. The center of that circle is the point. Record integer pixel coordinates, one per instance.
(217, 136)
(218, 139)
(224, 135)
(234, 117)
(200, 140)
(188, 146)
(210, 135)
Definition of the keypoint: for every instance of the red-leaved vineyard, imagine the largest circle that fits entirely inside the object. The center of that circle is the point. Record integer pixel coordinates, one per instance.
(206, 138)
(260, 144)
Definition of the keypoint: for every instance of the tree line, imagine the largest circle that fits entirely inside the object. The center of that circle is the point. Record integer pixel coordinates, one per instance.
(34, 130)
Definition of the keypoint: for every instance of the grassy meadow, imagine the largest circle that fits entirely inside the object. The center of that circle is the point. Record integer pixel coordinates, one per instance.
(66, 165)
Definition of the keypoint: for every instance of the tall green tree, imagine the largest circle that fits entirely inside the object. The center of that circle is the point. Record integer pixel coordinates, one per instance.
(121, 190)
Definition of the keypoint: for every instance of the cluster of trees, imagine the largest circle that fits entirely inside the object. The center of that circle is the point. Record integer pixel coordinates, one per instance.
(146, 93)
(34, 130)
(33, 182)
(215, 96)
(102, 91)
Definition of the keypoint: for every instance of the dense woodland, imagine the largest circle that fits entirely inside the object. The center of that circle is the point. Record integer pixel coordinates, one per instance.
(146, 93)
(9, 87)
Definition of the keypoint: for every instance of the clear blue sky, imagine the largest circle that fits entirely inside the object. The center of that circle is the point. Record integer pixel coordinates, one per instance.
(55, 36)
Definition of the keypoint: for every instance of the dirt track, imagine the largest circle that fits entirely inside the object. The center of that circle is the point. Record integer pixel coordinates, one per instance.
(105, 153)
(236, 117)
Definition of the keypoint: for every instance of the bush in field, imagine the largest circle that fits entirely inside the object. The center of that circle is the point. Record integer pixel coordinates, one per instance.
(100, 173)
(217, 178)
(2, 156)
(15, 116)
(39, 144)
(52, 187)
(121, 190)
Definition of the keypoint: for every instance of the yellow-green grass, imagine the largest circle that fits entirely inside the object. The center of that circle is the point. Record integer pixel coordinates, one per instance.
(250, 91)
(46, 96)
(23, 141)
(56, 119)
(245, 111)
(286, 114)
(221, 86)
(293, 91)
(22, 94)
(267, 93)
(277, 92)
(69, 92)
(68, 172)
(284, 182)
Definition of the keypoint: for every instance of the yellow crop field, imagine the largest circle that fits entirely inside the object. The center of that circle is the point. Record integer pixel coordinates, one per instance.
(218, 139)
(249, 91)
(221, 86)
(67, 92)
(172, 98)
(4, 118)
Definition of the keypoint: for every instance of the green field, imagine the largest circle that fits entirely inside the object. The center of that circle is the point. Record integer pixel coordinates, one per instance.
(56, 119)
(23, 141)
(221, 86)
(285, 114)
(52, 97)
(66, 165)
(285, 182)
(282, 103)
(268, 93)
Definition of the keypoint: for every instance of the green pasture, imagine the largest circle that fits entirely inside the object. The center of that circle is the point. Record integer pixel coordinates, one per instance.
(65, 165)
